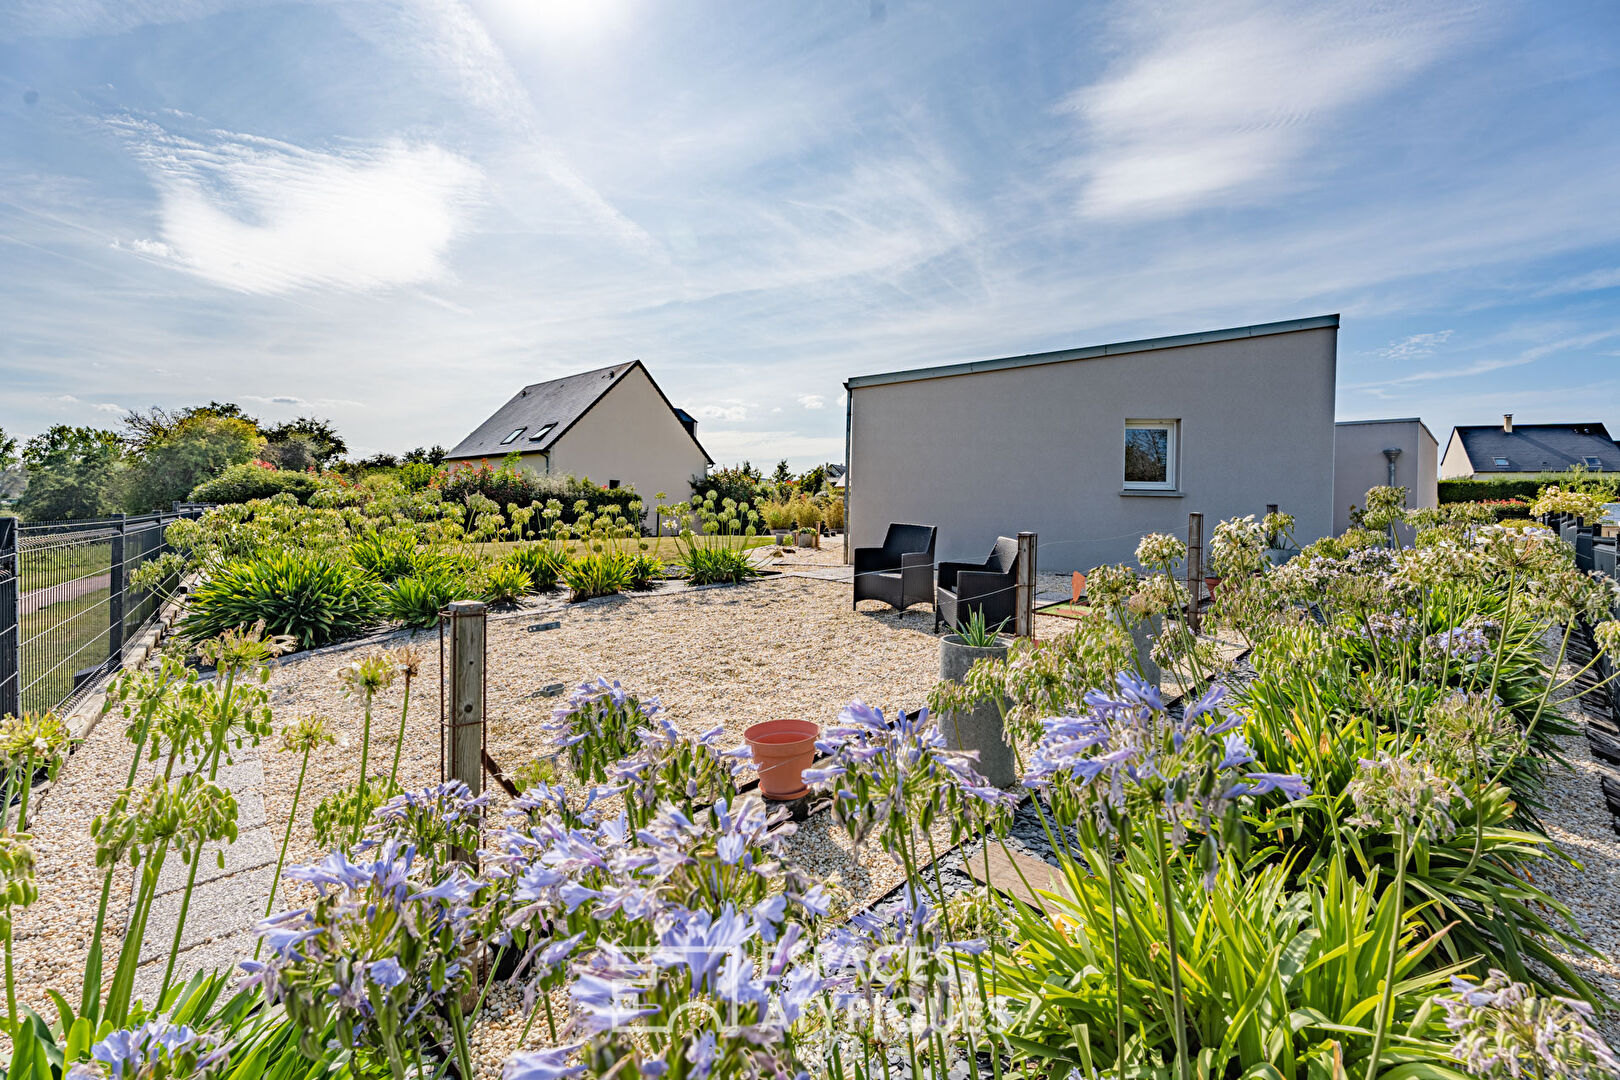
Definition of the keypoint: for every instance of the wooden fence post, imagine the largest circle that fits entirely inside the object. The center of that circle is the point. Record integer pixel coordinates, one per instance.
(1195, 567)
(1024, 612)
(463, 727)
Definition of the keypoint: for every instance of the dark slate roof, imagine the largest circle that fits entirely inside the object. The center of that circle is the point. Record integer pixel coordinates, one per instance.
(1538, 447)
(559, 403)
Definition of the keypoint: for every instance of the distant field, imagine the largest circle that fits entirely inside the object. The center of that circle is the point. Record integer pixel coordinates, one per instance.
(58, 640)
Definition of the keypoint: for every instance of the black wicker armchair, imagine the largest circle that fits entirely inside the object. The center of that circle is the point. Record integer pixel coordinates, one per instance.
(901, 572)
(988, 586)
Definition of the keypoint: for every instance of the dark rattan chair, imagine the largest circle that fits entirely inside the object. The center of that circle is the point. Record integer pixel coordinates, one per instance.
(901, 572)
(988, 586)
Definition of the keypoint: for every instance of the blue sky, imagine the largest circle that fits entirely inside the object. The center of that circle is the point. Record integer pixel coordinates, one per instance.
(394, 214)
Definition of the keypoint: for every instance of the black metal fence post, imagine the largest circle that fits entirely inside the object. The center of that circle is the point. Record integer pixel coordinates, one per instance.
(10, 620)
(115, 601)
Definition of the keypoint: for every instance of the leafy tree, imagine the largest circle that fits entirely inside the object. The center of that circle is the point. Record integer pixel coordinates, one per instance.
(425, 455)
(12, 476)
(783, 474)
(198, 447)
(739, 482)
(144, 430)
(72, 473)
(813, 481)
(322, 438)
(295, 453)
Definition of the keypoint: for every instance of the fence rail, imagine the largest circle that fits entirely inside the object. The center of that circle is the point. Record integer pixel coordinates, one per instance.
(66, 603)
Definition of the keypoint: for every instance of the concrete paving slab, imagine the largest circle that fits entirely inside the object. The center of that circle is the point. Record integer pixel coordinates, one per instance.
(221, 954)
(224, 906)
(253, 848)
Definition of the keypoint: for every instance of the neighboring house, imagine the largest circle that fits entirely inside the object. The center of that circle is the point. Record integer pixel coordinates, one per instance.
(1091, 448)
(613, 425)
(1362, 459)
(1522, 451)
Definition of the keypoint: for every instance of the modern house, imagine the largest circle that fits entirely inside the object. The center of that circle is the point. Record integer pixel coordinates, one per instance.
(613, 425)
(1091, 448)
(1521, 451)
(1373, 453)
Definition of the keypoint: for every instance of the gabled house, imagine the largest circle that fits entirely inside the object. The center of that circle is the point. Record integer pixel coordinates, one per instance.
(1519, 451)
(1092, 448)
(613, 425)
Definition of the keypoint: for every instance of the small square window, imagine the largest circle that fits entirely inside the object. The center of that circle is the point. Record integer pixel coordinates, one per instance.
(1594, 463)
(613, 485)
(542, 433)
(1501, 463)
(1150, 455)
(513, 437)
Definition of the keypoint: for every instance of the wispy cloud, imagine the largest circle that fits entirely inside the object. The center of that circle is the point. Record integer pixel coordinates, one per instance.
(263, 216)
(1409, 348)
(98, 406)
(1590, 282)
(1214, 102)
(1480, 367)
(732, 410)
(812, 401)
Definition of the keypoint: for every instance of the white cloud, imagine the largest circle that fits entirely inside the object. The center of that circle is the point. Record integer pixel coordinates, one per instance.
(731, 410)
(1417, 345)
(1213, 102)
(1592, 282)
(98, 406)
(812, 401)
(261, 216)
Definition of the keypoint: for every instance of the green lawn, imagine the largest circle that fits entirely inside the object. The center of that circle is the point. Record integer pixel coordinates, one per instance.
(40, 568)
(59, 640)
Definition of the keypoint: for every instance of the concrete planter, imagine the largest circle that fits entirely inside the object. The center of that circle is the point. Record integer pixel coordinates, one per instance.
(1278, 556)
(979, 728)
(1144, 634)
(809, 538)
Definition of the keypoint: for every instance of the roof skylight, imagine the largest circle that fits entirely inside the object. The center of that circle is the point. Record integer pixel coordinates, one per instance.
(513, 437)
(542, 433)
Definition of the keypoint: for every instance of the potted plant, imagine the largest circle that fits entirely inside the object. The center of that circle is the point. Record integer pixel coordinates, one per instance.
(978, 727)
(782, 750)
(1280, 546)
(778, 518)
(807, 516)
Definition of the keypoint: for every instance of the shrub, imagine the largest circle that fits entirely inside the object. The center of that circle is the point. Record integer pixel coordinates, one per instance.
(740, 483)
(505, 583)
(806, 515)
(835, 513)
(777, 515)
(542, 561)
(509, 485)
(241, 483)
(417, 599)
(311, 596)
(598, 573)
(386, 557)
(641, 568)
(1455, 491)
(714, 565)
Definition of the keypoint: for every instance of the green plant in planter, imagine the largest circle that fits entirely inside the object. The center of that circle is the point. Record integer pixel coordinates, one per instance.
(977, 633)
(778, 515)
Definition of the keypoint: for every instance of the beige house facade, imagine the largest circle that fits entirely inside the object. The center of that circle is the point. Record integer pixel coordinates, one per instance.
(1092, 448)
(1362, 452)
(612, 425)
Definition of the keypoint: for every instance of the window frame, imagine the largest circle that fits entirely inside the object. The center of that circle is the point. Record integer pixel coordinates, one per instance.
(1172, 455)
(545, 429)
(1502, 463)
(512, 438)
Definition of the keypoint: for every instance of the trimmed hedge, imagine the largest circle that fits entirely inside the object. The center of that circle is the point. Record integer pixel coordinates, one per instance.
(241, 483)
(1456, 491)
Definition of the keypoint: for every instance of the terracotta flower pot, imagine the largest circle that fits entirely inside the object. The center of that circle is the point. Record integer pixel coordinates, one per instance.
(1210, 583)
(783, 749)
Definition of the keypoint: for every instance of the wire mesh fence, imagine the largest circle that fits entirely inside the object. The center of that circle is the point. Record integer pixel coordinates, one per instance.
(67, 608)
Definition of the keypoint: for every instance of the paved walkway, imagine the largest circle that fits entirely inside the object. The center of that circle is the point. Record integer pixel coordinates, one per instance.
(226, 901)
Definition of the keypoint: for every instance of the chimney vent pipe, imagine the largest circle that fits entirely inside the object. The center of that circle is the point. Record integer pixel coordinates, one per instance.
(1507, 423)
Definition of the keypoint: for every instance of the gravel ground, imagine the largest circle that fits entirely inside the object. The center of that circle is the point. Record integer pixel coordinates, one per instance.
(782, 646)
(1578, 821)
